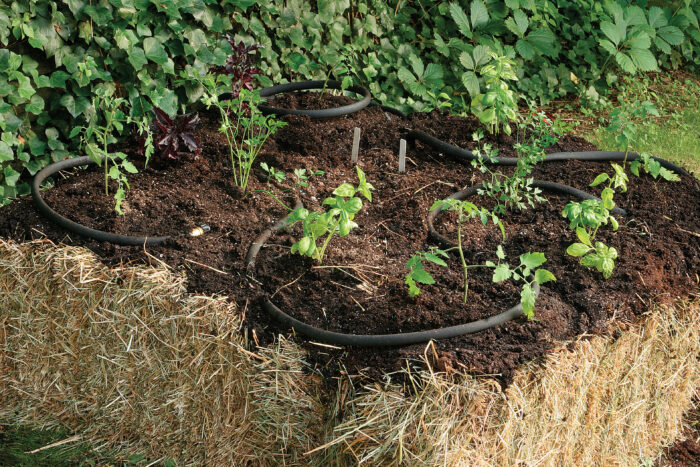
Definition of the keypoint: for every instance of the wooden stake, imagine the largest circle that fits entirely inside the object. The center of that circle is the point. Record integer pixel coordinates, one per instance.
(402, 156)
(355, 146)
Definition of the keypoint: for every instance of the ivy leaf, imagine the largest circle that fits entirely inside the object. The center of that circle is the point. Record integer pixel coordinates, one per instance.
(6, 153)
(58, 79)
(154, 50)
(137, 58)
(11, 176)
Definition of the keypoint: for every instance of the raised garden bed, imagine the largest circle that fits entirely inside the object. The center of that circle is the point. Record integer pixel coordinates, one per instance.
(360, 288)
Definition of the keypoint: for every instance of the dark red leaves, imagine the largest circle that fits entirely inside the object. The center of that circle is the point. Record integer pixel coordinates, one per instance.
(240, 65)
(171, 137)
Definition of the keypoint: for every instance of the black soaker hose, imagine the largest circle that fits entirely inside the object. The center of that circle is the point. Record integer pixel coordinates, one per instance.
(466, 193)
(591, 156)
(72, 226)
(315, 113)
(371, 340)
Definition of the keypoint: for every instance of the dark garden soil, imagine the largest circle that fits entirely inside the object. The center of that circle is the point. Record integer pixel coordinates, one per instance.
(360, 286)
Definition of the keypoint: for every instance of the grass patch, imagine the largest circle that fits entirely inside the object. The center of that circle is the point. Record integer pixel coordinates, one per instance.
(675, 134)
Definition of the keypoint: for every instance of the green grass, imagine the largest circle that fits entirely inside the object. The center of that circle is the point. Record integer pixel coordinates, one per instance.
(675, 135)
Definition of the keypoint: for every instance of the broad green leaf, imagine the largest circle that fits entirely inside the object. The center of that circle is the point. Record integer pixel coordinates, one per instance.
(154, 50)
(11, 176)
(479, 13)
(603, 177)
(502, 273)
(466, 60)
(527, 301)
(643, 59)
(471, 83)
(435, 259)
(345, 190)
(129, 167)
(532, 260)
(6, 153)
(422, 276)
(525, 49)
(611, 32)
(625, 62)
(433, 76)
(656, 17)
(543, 276)
(137, 58)
(461, 19)
(583, 236)
(577, 249)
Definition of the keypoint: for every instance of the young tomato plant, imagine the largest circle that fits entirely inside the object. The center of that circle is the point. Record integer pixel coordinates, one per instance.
(302, 177)
(416, 271)
(337, 220)
(465, 211)
(497, 107)
(527, 272)
(514, 191)
(98, 135)
(245, 127)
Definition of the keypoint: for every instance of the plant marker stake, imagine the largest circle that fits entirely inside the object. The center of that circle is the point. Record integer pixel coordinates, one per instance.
(355, 145)
(402, 156)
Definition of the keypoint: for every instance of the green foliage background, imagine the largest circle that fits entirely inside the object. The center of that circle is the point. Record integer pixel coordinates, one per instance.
(54, 54)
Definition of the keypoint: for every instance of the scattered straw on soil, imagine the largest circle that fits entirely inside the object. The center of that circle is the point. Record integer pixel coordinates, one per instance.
(126, 358)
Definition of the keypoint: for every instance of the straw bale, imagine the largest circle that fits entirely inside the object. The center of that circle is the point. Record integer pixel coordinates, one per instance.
(609, 401)
(127, 358)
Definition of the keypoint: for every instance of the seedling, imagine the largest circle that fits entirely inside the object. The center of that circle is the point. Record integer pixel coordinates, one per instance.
(337, 220)
(97, 137)
(245, 127)
(416, 271)
(497, 107)
(509, 192)
(302, 177)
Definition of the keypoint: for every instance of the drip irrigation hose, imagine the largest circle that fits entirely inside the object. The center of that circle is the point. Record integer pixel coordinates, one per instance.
(590, 156)
(371, 340)
(466, 193)
(315, 113)
(72, 226)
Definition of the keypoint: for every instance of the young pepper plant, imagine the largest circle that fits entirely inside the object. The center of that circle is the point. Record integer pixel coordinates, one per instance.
(337, 220)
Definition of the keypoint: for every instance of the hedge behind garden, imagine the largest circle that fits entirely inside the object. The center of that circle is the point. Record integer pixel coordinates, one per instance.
(54, 54)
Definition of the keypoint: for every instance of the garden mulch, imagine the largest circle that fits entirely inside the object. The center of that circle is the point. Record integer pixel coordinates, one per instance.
(360, 287)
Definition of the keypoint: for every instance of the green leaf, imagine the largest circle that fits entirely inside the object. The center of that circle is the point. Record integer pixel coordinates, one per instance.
(600, 179)
(583, 236)
(36, 105)
(433, 75)
(6, 153)
(577, 249)
(479, 13)
(129, 167)
(435, 259)
(502, 273)
(525, 49)
(532, 260)
(611, 32)
(422, 276)
(154, 50)
(643, 59)
(527, 301)
(137, 58)
(467, 61)
(671, 34)
(461, 19)
(345, 190)
(625, 62)
(11, 176)
(543, 276)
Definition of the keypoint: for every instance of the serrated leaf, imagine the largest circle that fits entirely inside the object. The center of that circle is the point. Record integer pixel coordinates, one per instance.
(543, 276)
(643, 59)
(422, 276)
(521, 21)
(466, 60)
(525, 49)
(129, 167)
(527, 301)
(461, 19)
(625, 62)
(542, 40)
(639, 41)
(671, 34)
(502, 273)
(471, 83)
(481, 55)
(433, 75)
(532, 260)
(479, 13)
(405, 76)
(435, 259)
(611, 32)
(657, 18)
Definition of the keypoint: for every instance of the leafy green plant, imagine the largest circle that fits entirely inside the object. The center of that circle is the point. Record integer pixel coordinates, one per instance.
(97, 137)
(586, 217)
(302, 177)
(652, 167)
(465, 211)
(245, 127)
(337, 220)
(527, 272)
(416, 270)
(497, 107)
(509, 192)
